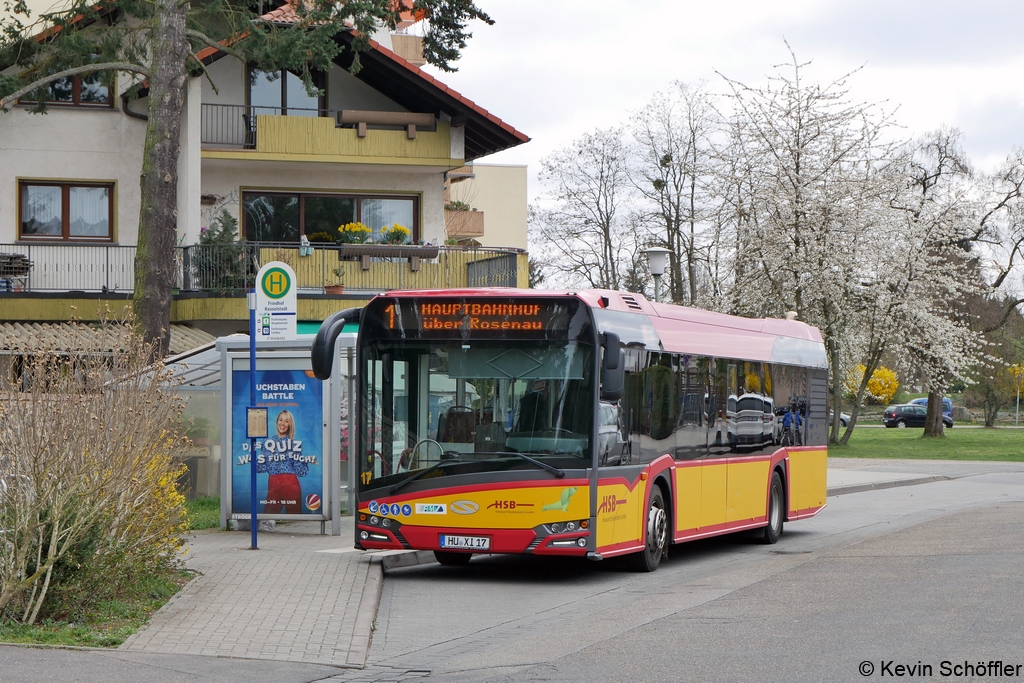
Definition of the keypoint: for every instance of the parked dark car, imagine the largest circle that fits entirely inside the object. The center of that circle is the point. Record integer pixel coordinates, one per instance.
(947, 406)
(909, 415)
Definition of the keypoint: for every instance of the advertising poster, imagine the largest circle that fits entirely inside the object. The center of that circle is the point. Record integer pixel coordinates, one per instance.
(289, 463)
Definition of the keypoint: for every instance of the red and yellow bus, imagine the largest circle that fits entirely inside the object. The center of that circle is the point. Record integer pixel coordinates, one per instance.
(592, 423)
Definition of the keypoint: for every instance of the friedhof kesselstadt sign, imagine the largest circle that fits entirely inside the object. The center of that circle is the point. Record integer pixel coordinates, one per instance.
(276, 302)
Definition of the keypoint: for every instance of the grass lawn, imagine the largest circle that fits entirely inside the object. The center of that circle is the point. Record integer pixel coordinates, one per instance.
(959, 444)
(204, 513)
(108, 623)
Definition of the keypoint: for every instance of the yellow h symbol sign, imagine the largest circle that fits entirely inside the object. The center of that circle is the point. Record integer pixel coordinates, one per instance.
(275, 282)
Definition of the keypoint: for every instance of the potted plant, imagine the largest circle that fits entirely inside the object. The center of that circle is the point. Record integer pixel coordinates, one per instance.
(396, 234)
(337, 284)
(353, 233)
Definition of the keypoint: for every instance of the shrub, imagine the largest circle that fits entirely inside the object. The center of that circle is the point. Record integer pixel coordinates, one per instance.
(220, 263)
(881, 387)
(89, 459)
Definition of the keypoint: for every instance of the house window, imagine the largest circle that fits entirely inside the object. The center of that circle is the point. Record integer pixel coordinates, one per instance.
(284, 216)
(282, 92)
(89, 90)
(66, 211)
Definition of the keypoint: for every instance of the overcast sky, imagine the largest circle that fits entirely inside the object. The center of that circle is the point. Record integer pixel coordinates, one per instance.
(555, 69)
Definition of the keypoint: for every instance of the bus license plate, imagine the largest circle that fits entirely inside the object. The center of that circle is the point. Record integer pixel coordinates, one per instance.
(466, 542)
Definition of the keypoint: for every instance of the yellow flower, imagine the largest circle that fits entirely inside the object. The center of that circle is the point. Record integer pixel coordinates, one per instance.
(396, 234)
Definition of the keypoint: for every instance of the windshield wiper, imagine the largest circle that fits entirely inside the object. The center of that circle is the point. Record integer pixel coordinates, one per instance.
(543, 465)
(422, 473)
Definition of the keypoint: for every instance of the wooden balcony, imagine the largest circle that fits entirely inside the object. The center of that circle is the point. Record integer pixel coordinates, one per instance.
(82, 281)
(238, 132)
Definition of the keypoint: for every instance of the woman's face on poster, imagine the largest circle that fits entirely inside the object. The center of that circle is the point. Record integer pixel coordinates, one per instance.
(284, 424)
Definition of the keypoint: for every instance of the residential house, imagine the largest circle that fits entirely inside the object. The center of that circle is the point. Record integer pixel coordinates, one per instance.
(376, 147)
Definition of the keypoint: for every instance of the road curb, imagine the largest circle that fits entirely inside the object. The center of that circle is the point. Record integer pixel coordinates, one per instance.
(859, 488)
(408, 559)
(366, 614)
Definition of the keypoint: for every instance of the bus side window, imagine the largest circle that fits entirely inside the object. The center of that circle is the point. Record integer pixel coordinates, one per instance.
(691, 434)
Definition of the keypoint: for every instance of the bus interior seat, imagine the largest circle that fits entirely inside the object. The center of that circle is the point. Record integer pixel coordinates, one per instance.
(459, 425)
(490, 438)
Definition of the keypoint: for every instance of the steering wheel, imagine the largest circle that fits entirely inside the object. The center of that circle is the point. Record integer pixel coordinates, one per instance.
(414, 459)
(558, 430)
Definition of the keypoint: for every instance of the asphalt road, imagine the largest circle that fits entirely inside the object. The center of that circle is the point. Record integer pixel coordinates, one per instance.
(913, 575)
(917, 574)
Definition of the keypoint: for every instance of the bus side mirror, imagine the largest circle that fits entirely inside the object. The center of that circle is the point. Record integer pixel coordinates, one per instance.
(322, 352)
(613, 368)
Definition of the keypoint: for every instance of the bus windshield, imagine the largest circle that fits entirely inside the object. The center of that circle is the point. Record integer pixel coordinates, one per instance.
(473, 406)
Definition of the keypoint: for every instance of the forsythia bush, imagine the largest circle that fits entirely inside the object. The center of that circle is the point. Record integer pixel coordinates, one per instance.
(881, 387)
(89, 462)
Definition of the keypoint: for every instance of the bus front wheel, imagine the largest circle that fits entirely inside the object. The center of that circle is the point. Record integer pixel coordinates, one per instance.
(648, 559)
(775, 505)
(452, 559)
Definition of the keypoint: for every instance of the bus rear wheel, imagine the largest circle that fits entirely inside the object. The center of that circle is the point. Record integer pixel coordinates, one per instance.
(775, 505)
(452, 559)
(648, 559)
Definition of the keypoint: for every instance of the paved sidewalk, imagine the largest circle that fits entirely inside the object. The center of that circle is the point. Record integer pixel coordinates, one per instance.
(301, 597)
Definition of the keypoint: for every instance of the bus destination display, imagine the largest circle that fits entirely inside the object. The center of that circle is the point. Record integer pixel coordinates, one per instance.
(476, 316)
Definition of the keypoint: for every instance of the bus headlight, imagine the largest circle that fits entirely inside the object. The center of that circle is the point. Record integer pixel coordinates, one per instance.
(375, 520)
(570, 526)
(555, 528)
(581, 542)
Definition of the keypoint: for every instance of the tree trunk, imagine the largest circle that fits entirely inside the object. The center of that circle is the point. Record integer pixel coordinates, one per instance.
(154, 258)
(933, 421)
(837, 392)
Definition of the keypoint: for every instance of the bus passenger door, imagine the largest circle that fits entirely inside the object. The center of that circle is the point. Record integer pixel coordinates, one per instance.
(714, 472)
(691, 443)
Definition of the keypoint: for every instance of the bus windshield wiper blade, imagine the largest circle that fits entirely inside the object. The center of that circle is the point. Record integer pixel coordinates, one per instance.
(543, 465)
(422, 473)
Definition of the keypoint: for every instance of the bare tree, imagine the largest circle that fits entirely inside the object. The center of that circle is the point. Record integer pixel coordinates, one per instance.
(584, 234)
(672, 166)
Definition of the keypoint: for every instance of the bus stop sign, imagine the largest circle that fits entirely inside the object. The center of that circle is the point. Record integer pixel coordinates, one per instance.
(276, 302)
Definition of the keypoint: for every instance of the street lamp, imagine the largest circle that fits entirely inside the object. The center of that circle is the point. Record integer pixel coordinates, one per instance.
(657, 259)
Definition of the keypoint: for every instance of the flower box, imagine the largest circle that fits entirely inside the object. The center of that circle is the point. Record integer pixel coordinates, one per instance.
(364, 252)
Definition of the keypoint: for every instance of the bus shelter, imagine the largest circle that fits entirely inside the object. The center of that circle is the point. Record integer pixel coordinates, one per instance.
(303, 469)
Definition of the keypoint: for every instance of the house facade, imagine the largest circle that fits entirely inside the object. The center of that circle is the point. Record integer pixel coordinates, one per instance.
(388, 145)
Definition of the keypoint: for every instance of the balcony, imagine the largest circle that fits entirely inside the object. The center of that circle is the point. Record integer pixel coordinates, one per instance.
(463, 225)
(243, 132)
(211, 280)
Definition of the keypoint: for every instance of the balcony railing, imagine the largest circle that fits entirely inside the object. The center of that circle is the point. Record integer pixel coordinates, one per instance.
(393, 137)
(231, 269)
(234, 125)
(67, 268)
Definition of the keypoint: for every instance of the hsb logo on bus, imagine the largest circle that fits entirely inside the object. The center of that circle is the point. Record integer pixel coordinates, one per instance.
(508, 505)
(609, 503)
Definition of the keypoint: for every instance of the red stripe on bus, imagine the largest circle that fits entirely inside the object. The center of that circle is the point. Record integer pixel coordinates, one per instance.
(472, 488)
(805, 513)
(619, 548)
(717, 529)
